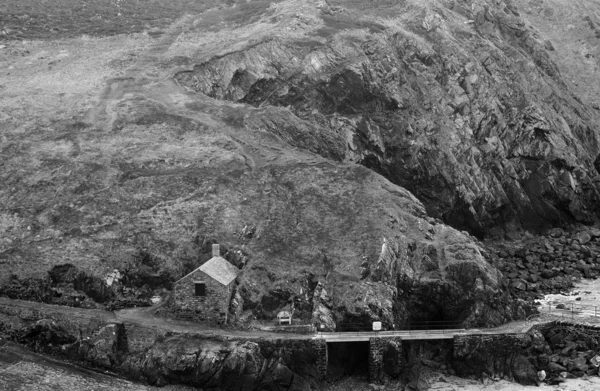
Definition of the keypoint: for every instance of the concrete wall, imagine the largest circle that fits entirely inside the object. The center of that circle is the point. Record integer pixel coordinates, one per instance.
(212, 308)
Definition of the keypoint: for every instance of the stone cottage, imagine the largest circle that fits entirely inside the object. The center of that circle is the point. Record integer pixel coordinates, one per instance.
(205, 293)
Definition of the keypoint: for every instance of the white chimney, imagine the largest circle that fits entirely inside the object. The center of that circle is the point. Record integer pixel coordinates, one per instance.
(216, 250)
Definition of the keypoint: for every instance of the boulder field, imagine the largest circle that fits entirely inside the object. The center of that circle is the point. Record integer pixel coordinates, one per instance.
(548, 263)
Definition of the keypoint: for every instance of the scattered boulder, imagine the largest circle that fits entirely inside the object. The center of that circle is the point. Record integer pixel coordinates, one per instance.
(542, 375)
(584, 237)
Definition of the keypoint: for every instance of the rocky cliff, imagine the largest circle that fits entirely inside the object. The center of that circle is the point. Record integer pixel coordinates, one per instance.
(457, 101)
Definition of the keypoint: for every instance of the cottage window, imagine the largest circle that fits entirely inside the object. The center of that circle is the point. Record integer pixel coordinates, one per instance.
(200, 288)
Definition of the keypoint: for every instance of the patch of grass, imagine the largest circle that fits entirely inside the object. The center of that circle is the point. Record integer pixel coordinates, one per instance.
(234, 116)
(52, 19)
(337, 22)
(245, 13)
(242, 13)
(372, 7)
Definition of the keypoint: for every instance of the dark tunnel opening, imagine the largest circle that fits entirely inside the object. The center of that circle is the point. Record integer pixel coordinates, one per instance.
(347, 358)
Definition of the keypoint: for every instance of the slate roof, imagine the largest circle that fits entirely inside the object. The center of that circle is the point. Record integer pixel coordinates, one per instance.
(220, 269)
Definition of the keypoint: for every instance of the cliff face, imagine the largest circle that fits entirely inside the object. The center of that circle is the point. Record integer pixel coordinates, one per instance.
(458, 102)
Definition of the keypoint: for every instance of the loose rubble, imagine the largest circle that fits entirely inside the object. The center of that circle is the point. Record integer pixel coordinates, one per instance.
(550, 263)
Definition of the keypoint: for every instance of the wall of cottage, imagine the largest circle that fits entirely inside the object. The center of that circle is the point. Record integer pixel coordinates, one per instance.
(210, 308)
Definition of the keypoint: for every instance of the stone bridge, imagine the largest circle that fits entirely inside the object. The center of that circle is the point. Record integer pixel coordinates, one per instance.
(382, 341)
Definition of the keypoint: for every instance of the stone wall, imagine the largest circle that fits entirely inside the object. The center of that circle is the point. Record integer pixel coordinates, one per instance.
(320, 346)
(298, 329)
(569, 324)
(375, 359)
(212, 308)
(385, 358)
(495, 344)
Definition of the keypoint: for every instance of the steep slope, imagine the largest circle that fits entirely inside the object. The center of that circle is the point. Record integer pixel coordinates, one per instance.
(459, 102)
(571, 30)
